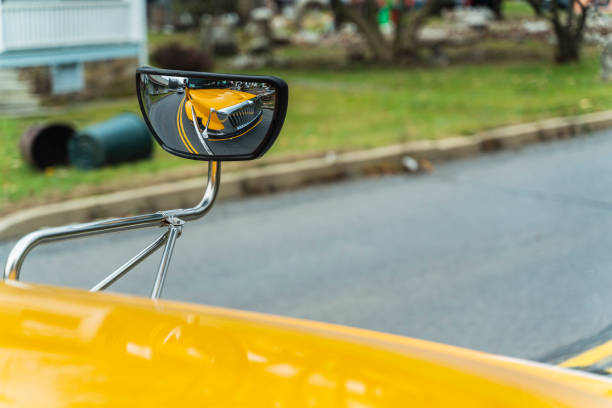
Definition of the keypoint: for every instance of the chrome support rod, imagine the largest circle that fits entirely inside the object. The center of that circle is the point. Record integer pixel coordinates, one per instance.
(212, 187)
(17, 255)
(176, 228)
(132, 263)
(30, 241)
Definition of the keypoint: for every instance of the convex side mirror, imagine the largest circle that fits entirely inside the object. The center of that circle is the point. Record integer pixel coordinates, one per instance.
(205, 116)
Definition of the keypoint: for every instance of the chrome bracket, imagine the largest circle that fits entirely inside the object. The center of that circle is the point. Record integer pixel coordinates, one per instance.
(174, 220)
(175, 229)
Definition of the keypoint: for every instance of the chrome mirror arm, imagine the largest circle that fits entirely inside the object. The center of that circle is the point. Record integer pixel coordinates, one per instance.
(30, 241)
(210, 194)
(173, 219)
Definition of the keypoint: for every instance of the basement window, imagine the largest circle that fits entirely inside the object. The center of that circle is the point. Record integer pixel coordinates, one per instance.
(67, 78)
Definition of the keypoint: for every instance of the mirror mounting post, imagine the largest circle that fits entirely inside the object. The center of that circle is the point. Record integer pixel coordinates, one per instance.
(129, 265)
(172, 219)
(243, 116)
(175, 231)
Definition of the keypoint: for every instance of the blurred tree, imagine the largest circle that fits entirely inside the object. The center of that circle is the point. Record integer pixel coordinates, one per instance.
(244, 8)
(177, 56)
(568, 19)
(365, 15)
(496, 6)
(196, 8)
(536, 5)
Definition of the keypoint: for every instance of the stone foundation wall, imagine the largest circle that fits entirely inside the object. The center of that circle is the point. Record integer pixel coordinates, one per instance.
(102, 80)
(112, 78)
(39, 79)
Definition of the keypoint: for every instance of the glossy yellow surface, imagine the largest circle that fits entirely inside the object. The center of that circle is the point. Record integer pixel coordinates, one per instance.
(204, 99)
(61, 347)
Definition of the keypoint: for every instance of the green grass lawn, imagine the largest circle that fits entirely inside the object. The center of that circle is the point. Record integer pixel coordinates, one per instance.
(342, 110)
(517, 9)
(348, 110)
(186, 38)
(18, 181)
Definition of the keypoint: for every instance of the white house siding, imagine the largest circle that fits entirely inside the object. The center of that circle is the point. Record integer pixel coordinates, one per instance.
(58, 24)
(62, 33)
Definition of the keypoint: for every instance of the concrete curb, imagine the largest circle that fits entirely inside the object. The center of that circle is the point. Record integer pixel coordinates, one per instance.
(285, 176)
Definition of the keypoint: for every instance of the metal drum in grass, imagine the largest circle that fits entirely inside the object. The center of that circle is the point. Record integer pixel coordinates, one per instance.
(120, 139)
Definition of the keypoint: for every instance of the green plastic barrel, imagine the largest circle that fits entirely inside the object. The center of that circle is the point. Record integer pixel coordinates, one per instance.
(120, 139)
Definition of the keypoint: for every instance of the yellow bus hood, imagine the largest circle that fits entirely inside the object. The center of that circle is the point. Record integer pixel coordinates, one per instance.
(65, 347)
(204, 99)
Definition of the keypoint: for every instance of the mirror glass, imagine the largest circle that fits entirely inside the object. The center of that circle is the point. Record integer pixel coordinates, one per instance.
(207, 118)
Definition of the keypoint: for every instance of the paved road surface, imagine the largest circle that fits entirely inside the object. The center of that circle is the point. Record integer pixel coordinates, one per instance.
(508, 253)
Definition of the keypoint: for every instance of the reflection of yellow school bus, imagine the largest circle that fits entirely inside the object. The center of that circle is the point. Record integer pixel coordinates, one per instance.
(223, 112)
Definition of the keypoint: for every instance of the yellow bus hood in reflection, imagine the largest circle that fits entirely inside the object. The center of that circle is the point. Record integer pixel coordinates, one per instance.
(204, 99)
(64, 347)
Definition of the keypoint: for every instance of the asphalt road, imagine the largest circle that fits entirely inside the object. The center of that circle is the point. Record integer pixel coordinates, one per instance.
(168, 117)
(508, 253)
